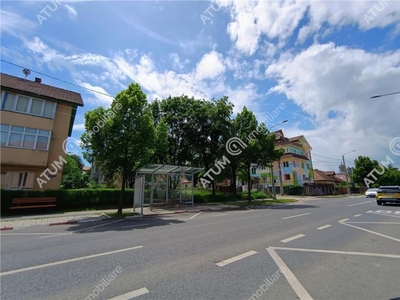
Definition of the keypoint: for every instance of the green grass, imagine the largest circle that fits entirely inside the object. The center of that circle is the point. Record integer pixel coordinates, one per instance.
(245, 203)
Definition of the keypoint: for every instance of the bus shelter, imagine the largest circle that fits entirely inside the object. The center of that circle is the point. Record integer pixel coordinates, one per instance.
(157, 184)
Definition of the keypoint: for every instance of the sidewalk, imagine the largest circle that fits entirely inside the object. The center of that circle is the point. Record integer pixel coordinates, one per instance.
(13, 222)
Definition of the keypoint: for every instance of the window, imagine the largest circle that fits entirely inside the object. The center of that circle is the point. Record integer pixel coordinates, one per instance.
(19, 180)
(304, 177)
(287, 176)
(302, 165)
(22, 137)
(23, 104)
(36, 108)
(286, 164)
(294, 164)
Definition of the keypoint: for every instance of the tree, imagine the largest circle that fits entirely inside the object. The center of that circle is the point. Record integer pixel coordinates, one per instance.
(363, 166)
(245, 124)
(73, 177)
(391, 176)
(126, 139)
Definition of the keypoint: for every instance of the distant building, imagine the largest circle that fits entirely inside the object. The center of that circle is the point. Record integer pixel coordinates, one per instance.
(36, 119)
(295, 166)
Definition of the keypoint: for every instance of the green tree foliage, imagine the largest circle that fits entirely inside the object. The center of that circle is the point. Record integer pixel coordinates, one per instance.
(126, 139)
(73, 177)
(391, 176)
(363, 166)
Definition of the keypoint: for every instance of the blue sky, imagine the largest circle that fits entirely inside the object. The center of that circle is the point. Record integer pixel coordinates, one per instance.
(323, 59)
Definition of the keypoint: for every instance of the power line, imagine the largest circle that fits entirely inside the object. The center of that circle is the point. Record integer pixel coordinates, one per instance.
(313, 154)
(55, 78)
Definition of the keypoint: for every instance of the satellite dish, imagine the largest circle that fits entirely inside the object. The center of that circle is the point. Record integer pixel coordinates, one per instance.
(27, 72)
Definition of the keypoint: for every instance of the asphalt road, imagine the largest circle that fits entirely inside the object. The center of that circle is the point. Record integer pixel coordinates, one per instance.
(337, 248)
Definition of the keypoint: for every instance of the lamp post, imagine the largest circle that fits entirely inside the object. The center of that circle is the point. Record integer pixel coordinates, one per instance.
(347, 175)
(383, 95)
(272, 168)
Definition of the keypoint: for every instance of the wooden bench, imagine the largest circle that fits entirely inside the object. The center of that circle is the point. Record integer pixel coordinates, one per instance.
(26, 203)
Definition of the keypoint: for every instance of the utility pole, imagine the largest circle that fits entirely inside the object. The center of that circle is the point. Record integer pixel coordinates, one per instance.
(347, 174)
(273, 180)
(280, 178)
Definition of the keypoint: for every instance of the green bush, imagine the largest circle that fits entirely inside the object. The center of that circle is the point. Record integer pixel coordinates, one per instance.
(71, 199)
(259, 195)
(294, 190)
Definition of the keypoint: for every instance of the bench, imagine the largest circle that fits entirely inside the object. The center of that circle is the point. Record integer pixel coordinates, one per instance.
(26, 203)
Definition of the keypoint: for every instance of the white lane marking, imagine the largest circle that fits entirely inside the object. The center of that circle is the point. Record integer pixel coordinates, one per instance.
(84, 229)
(343, 220)
(324, 227)
(391, 223)
(131, 295)
(293, 281)
(235, 258)
(292, 238)
(295, 216)
(55, 235)
(356, 216)
(137, 225)
(67, 261)
(36, 233)
(385, 215)
(338, 252)
(249, 209)
(194, 216)
(359, 203)
(373, 232)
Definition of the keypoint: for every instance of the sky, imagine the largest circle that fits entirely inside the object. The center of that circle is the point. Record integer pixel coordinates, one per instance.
(320, 60)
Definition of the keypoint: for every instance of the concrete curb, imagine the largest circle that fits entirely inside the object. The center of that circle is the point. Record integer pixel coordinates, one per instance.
(63, 223)
(6, 228)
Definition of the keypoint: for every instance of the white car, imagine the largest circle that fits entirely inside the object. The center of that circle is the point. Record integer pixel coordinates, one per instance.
(371, 193)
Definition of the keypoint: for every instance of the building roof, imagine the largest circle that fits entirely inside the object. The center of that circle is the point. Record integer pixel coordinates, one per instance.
(295, 138)
(329, 173)
(39, 89)
(321, 176)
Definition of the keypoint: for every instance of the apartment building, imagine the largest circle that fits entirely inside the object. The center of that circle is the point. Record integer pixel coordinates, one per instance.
(295, 166)
(36, 119)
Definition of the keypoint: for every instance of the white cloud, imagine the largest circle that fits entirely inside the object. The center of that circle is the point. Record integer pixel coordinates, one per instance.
(277, 20)
(72, 13)
(210, 66)
(99, 93)
(326, 78)
(79, 127)
(15, 24)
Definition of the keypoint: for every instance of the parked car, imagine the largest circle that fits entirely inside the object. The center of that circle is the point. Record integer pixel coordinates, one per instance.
(388, 194)
(371, 193)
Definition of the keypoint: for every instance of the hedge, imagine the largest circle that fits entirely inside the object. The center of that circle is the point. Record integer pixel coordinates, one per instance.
(97, 198)
(293, 190)
(71, 199)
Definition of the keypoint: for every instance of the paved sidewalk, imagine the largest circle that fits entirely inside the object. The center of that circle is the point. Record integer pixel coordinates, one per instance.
(8, 223)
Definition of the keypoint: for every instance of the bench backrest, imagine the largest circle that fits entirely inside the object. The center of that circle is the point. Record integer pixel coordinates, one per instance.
(34, 200)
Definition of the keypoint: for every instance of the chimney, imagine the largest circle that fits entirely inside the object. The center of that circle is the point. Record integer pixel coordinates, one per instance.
(38, 80)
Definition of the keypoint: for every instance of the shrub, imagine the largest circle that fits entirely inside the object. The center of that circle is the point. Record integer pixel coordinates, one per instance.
(294, 190)
(71, 199)
(259, 195)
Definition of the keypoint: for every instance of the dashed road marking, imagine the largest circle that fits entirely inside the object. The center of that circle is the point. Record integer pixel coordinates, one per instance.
(359, 203)
(292, 238)
(370, 231)
(235, 258)
(295, 216)
(194, 216)
(343, 220)
(131, 295)
(67, 261)
(356, 216)
(324, 227)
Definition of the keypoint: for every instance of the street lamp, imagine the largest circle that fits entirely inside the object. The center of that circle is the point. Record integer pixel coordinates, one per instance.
(378, 96)
(269, 130)
(347, 175)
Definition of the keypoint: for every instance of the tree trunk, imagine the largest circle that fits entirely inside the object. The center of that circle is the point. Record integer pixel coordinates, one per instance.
(122, 195)
(233, 183)
(248, 183)
(213, 187)
(273, 182)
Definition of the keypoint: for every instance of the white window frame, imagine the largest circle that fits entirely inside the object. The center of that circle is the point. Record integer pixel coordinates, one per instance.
(29, 105)
(37, 135)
